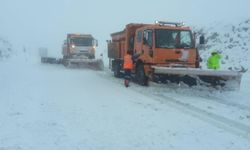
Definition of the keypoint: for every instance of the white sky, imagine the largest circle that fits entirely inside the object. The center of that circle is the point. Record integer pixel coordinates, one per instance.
(36, 23)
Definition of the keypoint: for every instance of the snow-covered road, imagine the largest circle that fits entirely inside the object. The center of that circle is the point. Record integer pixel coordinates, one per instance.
(50, 107)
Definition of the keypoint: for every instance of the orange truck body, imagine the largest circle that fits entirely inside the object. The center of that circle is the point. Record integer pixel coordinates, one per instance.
(168, 45)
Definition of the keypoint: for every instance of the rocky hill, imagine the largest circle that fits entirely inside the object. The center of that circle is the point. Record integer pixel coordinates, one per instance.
(232, 40)
(5, 49)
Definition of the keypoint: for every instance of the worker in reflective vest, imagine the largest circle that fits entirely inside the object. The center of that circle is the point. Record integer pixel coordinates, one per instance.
(128, 64)
(213, 61)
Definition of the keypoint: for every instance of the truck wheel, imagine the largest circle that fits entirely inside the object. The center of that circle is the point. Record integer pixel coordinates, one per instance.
(141, 78)
(66, 64)
(117, 70)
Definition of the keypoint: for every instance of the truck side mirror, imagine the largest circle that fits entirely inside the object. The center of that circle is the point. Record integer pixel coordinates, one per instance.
(202, 39)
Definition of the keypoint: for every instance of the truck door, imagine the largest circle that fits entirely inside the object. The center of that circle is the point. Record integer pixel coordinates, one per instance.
(147, 47)
(138, 42)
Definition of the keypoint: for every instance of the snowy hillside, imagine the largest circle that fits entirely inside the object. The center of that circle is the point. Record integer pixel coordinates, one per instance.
(232, 40)
(5, 49)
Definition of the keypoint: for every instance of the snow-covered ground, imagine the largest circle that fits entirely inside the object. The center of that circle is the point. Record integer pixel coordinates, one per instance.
(51, 107)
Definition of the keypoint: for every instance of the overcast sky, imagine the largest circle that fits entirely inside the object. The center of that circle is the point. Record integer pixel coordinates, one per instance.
(45, 23)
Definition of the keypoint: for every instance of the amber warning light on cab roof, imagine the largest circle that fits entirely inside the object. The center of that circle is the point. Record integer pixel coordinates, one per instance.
(164, 23)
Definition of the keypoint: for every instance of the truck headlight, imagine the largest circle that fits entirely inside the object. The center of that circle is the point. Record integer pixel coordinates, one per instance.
(73, 46)
(92, 50)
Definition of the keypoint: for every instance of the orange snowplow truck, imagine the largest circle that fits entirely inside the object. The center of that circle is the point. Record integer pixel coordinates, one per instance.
(167, 53)
(163, 44)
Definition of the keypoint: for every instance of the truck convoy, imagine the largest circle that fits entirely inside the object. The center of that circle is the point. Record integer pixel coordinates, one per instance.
(168, 53)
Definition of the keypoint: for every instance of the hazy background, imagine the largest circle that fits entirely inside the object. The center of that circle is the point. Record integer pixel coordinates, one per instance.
(45, 23)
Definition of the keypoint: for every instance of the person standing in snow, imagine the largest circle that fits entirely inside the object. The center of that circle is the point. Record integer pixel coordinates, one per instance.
(129, 59)
(127, 66)
(213, 61)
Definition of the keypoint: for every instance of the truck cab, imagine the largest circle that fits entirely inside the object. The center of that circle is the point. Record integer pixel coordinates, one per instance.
(165, 45)
(83, 45)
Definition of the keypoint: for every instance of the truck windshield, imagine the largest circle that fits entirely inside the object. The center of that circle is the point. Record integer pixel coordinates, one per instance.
(82, 41)
(173, 39)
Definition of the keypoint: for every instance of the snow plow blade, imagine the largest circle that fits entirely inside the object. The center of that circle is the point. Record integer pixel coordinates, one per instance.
(96, 64)
(228, 80)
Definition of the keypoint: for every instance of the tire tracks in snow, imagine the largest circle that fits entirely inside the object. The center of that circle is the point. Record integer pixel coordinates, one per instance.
(214, 119)
(222, 122)
(210, 96)
(220, 101)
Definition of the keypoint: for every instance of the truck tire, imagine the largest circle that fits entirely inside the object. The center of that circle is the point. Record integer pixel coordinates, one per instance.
(117, 69)
(66, 63)
(141, 78)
